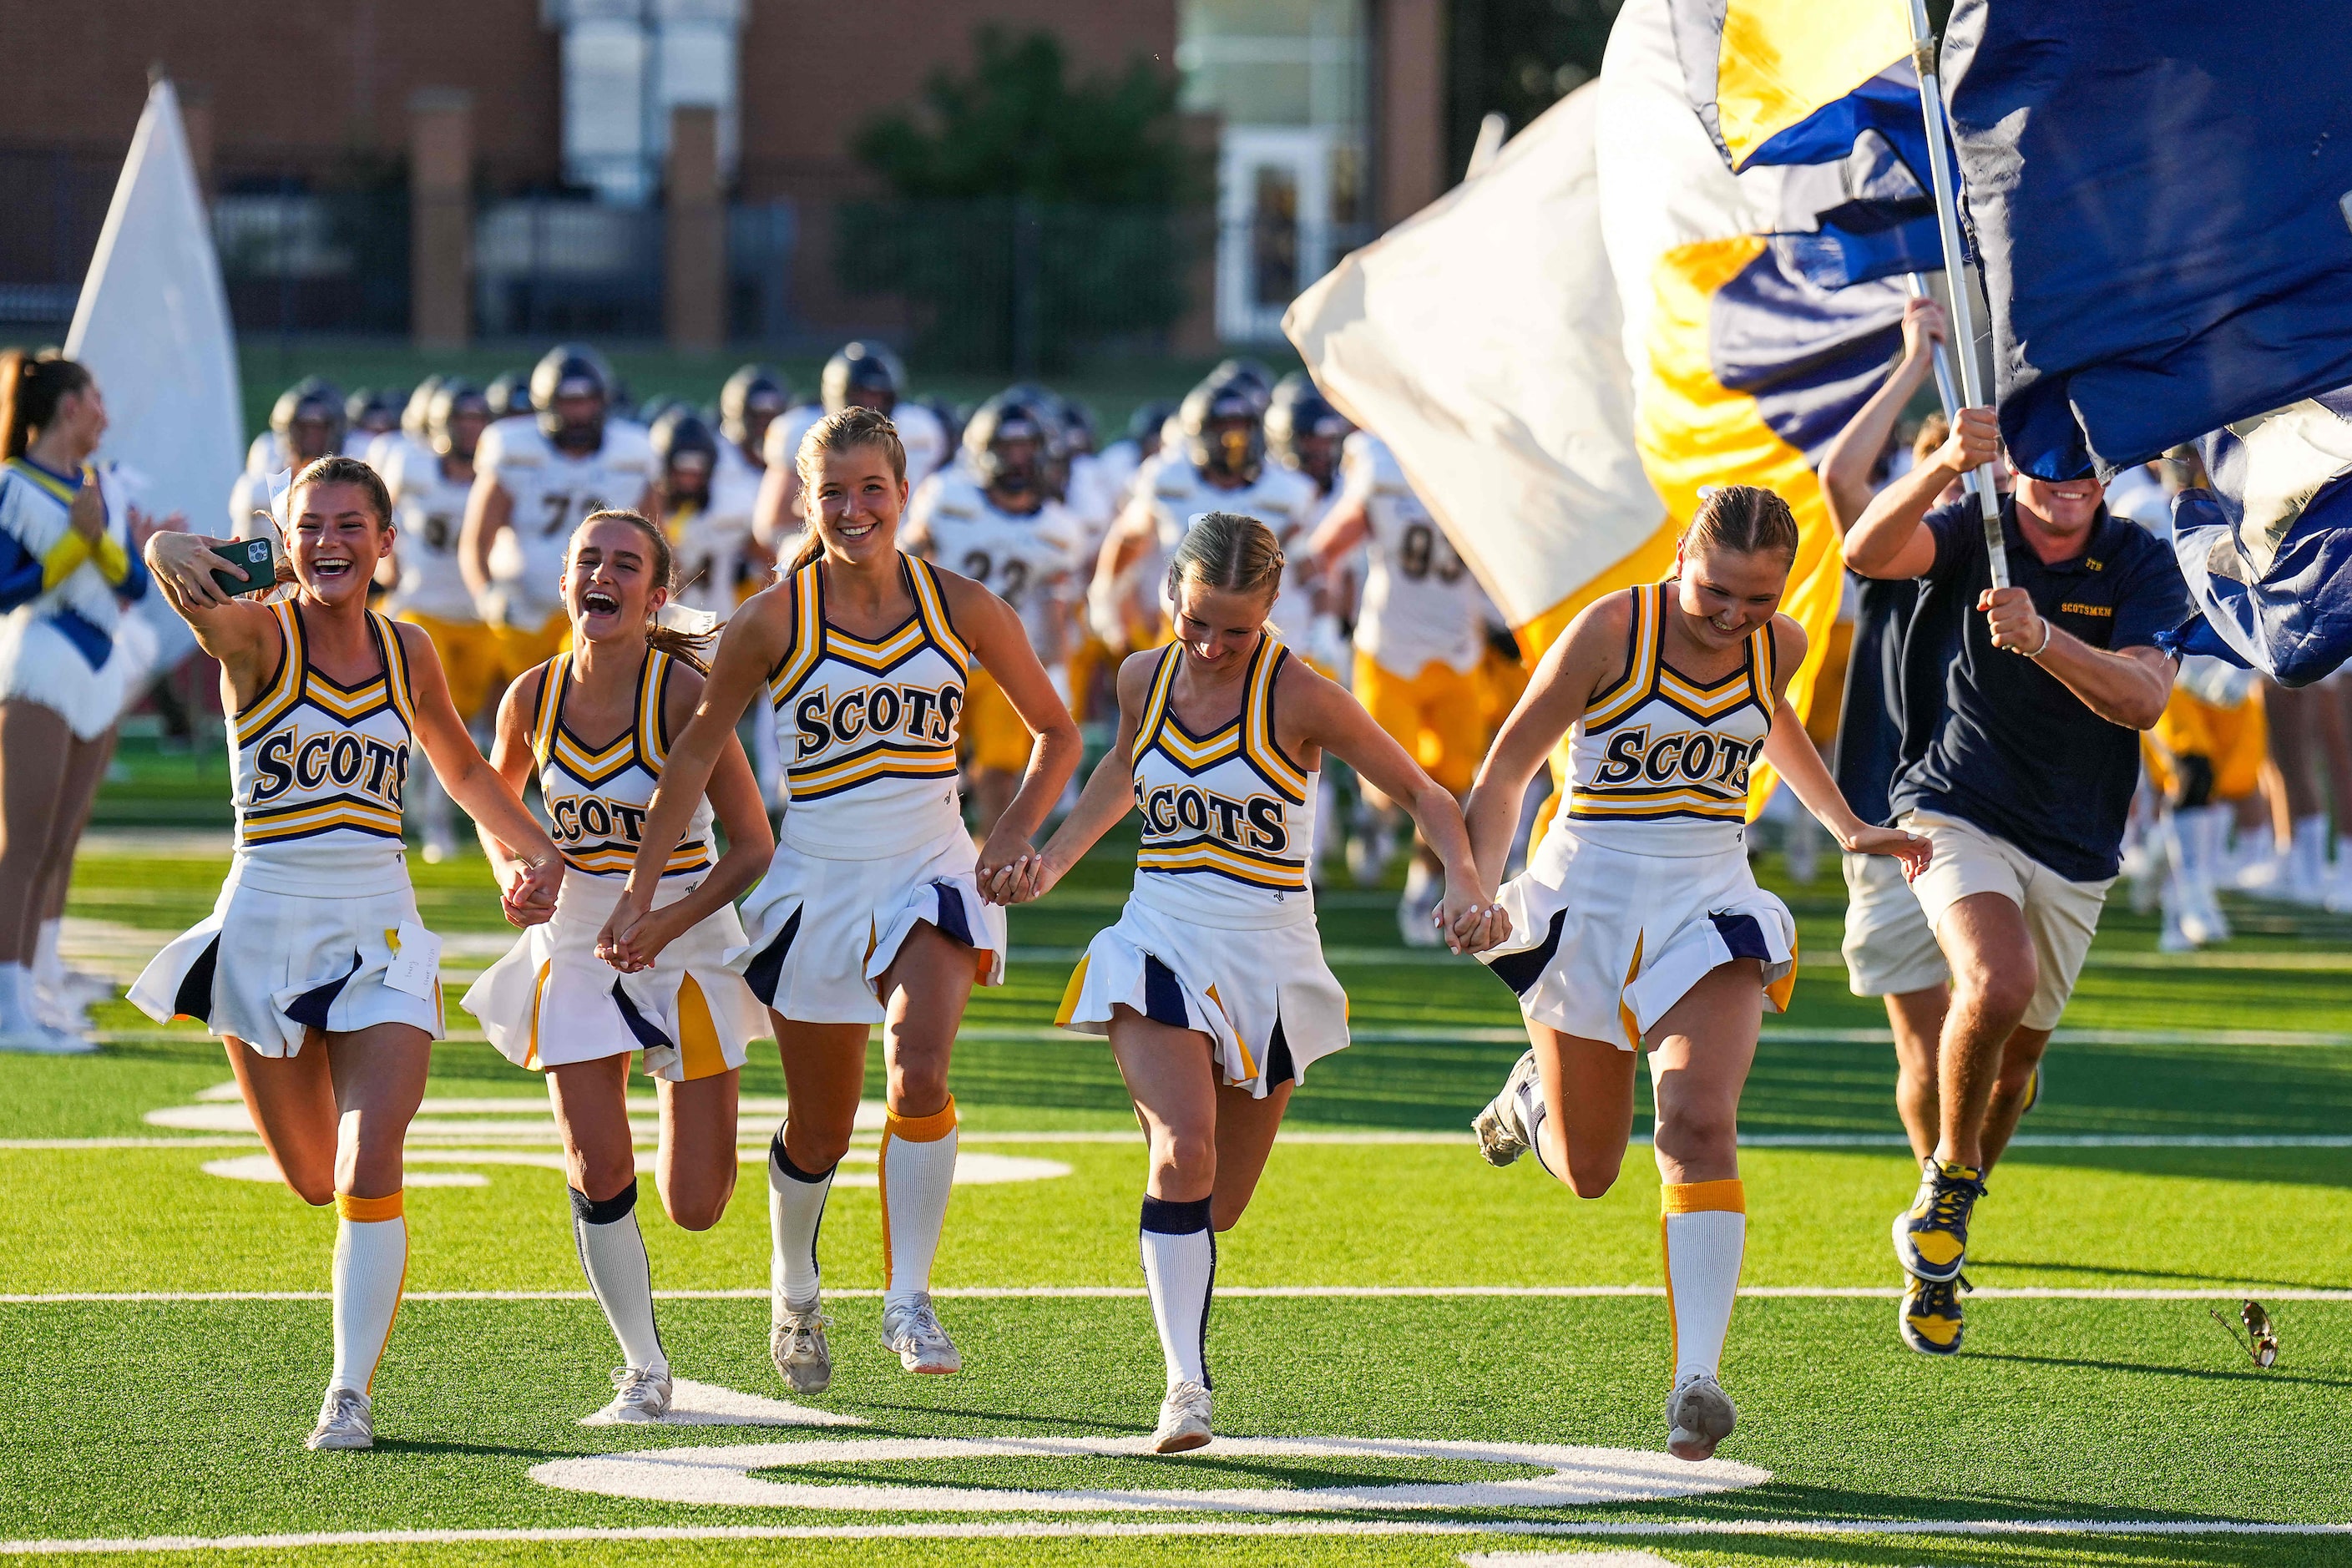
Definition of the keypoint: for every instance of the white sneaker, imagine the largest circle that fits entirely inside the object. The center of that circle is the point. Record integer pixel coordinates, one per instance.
(37, 1039)
(1699, 1415)
(347, 1420)
(2174, 937)
(1183, 1420)
(1417, 922)
(796, 1345)
(2202, 917)
(639, 1395)
(1502, 1137)
(913, 1331)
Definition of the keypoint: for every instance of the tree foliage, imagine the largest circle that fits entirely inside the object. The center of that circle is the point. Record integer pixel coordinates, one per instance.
(1019, 126)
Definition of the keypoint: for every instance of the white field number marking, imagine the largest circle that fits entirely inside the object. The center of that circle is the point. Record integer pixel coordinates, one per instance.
(723, 1476)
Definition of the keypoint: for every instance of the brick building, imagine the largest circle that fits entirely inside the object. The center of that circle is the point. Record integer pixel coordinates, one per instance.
(530, 142)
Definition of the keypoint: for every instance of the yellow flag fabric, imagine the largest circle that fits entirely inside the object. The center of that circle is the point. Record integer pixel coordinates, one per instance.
(1782, 61)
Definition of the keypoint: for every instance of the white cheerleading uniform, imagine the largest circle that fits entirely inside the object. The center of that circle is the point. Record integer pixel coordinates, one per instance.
(873, 842)
(552, 492)
(309, 920)
(550, 1001)
(1219, 935)
(428, 513)
(1421, 605)
(63, 645)
(1642, 885)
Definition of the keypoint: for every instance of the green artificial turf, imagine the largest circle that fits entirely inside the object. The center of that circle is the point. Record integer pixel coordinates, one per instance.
(183, 1417)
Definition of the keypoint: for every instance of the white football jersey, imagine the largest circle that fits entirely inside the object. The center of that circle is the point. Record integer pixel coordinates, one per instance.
(710, 540)
(1421, 605)
(1027, 559)
(1094, 496)
(428, 513)
(1176, 492)
(552, 492)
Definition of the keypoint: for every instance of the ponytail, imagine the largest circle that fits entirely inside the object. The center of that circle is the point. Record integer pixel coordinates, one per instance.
(31, 387)
(693, 647)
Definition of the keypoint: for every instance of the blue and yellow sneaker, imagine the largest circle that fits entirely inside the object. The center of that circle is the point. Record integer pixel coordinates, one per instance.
(1931, 1236)
(1930, 1316)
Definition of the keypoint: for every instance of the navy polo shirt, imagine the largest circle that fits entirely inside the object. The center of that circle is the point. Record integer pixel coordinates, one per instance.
(2010, 749)
(1870, 720)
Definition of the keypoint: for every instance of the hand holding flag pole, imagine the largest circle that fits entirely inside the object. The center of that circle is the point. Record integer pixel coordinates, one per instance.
(1946, 391)
(1947, 221)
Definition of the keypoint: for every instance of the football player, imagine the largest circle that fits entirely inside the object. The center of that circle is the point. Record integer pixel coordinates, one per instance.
(537, 481)
(862, 375)
(305, 424)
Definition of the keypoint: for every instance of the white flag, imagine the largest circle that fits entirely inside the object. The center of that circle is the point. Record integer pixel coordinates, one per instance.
(1483, 341)
(152, 326)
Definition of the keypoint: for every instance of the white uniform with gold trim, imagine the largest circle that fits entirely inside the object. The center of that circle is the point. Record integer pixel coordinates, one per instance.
(1642, 885)
(873, 842)
(309, 921)
(1176, 492)
(1219, 935)
(552, 492)
(550, 1001)
(1420, 604)
(428, 512)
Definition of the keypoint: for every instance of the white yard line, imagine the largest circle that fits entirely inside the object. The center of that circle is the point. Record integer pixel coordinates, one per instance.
(1263, 1292)
(1026, 1529)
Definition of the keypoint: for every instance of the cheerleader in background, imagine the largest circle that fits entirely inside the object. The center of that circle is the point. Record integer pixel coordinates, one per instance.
(67, 568)
(313, 968)
(595, 724)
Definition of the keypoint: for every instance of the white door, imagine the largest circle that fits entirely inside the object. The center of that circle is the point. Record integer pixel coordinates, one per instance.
(1274, 224)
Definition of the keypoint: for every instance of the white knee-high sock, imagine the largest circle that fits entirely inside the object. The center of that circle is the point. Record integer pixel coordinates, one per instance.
(1705, 1232)
(918, 1156)
(612, 1256)
(1180, 1269)
(370, 1266)
(17, 1016)
(796, 1214)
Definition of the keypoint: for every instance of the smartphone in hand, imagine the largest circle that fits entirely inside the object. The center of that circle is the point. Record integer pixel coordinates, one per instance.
(252, 566)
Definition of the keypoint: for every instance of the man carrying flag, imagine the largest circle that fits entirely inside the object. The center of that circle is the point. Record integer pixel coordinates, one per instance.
(2022, 778)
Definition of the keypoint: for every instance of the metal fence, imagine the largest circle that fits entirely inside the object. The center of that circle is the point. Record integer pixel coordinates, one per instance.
(1022, 286)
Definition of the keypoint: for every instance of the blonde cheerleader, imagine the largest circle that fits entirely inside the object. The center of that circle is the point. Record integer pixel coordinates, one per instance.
(1212, 986)
(595, 724)
(314, 968)
(871, 912)
(1637, 921)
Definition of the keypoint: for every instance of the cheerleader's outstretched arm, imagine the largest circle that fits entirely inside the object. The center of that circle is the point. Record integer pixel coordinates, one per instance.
(1110, 790)
(536, 869)
(1798, 763)
(1586, 657)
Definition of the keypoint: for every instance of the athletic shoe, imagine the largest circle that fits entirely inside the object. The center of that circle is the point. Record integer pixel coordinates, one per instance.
(913, 1331)
(1699, 1415)
(1183, 1420)
(797, 1345)
(2201, 920)
(1930, 1315)
(39, 1040)
(1417, 918)
(638, 1396)
(2174, 937)
(1931, 1236)
(1502, 1138)
(346, 1420)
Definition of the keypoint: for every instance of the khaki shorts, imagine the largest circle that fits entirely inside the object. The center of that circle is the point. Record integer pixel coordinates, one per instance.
(1890, 949)
(2061, 917)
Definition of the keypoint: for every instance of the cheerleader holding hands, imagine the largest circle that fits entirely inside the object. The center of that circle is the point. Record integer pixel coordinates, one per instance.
(871, 910)
(595, 724)
(314, 968)
(1212, 987)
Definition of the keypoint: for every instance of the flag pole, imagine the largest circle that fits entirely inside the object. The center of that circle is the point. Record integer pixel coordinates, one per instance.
(1947, 222)
(1946, 392)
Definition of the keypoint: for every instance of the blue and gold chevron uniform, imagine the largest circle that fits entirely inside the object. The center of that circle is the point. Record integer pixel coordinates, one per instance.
(868, 729)
(597, 799)
(1659, 761)
(319, 772)
(1228, 818)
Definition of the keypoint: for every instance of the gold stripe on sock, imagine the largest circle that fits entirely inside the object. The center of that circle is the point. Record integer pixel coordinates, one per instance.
(1703, 1197)
(922, 1129)
(368, 1210)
